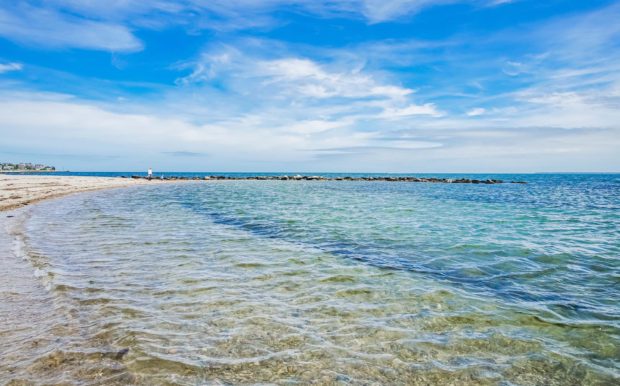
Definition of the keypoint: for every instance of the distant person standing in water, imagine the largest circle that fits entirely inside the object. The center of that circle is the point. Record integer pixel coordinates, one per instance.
(150, 173)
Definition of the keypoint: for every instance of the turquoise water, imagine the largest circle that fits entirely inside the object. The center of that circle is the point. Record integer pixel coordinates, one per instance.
(333, 282)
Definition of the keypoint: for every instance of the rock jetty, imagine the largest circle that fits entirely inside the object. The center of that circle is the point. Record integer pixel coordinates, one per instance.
(347, 178)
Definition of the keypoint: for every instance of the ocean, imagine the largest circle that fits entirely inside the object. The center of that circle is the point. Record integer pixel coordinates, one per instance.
(331, 282)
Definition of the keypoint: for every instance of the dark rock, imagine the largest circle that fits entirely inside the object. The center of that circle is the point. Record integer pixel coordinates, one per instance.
(121, 353)
(343, 378)
(298, 177)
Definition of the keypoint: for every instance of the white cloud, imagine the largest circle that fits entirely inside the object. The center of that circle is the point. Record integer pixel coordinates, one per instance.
(107, 25)
(411, 110)
(298, 97)
(476, 112)
(308, 78)
(586, 109)
(62, 124)
(264, 103)
(299, 76)
(512, 68)
(382, 10)
(276, 139)
(500, 2)
(8, 67)
(48, 28)
(314, 126)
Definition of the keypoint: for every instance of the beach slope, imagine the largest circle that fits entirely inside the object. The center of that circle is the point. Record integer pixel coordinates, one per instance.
(20, 190)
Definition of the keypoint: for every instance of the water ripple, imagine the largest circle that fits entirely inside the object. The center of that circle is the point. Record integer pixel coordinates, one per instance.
(269, 282)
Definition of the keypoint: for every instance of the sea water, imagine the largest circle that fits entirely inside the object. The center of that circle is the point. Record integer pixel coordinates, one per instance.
(294, 282)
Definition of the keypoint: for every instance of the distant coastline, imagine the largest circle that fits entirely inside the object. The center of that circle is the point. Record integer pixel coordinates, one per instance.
(25, 167)
(33, 171)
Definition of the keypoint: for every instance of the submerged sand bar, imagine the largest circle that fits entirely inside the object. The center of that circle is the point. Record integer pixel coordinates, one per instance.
(20, 190)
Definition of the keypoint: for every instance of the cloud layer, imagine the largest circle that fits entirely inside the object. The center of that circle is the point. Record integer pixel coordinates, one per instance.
(194, 85)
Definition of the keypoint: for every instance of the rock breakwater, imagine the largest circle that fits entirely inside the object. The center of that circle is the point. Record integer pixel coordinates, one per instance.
(344, 178)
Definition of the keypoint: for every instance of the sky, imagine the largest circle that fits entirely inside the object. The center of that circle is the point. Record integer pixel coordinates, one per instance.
(309, 85)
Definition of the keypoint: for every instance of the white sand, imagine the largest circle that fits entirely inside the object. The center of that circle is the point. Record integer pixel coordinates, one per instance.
(20, 190)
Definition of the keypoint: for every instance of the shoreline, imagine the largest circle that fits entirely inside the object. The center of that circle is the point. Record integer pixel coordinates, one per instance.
(23, 296)
(26, 306)
(17, 191)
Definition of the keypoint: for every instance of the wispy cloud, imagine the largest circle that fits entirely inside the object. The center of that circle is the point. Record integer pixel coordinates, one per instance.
(381, 10)
(411, 110)
(475, 112)
(294, 76)
(306, 77)
(184, 154)
(108, 25)
(49, 28)
(299, 91)
(372, 10)
(537, 93)
(8, 67)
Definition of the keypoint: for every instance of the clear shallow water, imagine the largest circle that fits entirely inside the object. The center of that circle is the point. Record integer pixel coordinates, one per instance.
(332, 282)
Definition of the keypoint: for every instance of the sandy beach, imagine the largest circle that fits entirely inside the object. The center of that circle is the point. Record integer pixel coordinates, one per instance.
(20, 190)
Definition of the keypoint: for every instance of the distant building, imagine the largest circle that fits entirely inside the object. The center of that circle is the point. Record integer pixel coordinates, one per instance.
(25, 166)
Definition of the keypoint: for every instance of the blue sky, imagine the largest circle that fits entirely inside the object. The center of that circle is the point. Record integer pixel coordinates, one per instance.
(339, 85)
